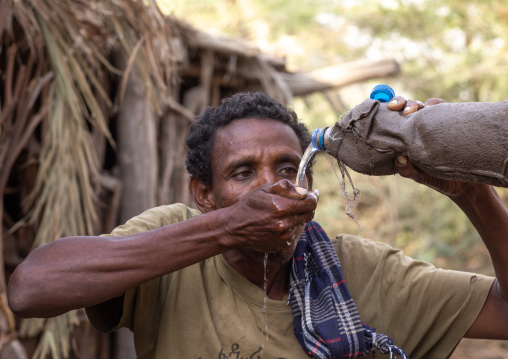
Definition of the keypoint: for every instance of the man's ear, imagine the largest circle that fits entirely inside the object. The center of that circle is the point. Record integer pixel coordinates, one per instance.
(202, 195)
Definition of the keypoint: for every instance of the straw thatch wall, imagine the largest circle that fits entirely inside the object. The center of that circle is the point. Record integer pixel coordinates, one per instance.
(95, 99)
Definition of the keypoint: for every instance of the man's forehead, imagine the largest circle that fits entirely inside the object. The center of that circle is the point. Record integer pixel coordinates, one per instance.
(256, 127)
(249, 139)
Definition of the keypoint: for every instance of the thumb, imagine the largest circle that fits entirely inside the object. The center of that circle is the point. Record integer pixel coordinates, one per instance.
(287, 189)
(405, 168)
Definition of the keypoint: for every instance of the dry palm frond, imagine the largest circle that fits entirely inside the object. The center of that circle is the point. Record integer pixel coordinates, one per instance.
(65, 47)
(56, 337)
(77, 37)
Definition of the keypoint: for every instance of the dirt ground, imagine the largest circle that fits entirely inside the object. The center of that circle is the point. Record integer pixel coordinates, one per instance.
(479, 348)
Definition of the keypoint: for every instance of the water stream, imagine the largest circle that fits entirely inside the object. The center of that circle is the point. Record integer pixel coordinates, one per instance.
(306, 158)
(264, 319)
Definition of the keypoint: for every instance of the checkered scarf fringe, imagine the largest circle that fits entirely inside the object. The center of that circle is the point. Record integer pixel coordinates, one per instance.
(327, 323)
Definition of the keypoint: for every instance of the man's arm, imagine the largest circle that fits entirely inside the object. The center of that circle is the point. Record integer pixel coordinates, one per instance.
(76, 272)
(489, 215)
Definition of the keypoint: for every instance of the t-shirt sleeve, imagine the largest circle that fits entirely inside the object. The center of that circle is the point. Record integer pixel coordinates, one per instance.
(425, 310)
(140, 306)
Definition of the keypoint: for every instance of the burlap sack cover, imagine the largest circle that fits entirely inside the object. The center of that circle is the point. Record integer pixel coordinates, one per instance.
(461, 141)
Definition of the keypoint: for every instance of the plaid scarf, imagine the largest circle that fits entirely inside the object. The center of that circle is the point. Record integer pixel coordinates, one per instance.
(327, 323)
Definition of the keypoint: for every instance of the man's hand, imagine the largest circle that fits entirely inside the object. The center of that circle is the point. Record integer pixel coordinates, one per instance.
(270, 217)
(452, 189)
(410, 106)
(456, 190)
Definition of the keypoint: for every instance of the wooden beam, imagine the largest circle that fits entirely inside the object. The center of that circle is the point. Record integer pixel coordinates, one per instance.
(329, 77)
(231, 46)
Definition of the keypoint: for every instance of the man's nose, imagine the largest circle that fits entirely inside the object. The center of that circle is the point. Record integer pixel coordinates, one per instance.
(268, 176)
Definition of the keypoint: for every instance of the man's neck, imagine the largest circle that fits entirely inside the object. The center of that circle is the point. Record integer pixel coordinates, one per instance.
(254, 271)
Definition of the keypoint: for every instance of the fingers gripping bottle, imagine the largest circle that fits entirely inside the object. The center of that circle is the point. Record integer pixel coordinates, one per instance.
(459, 141)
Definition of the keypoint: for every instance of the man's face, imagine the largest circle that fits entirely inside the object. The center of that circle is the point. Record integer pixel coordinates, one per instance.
(248, 153)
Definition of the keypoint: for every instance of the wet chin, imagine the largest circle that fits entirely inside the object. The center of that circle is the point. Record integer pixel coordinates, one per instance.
(274, 259)
(284, 255)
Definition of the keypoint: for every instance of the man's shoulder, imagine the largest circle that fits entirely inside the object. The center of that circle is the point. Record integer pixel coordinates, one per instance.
(348, 243)
(171, 213)
(155, 218)
(361, 257)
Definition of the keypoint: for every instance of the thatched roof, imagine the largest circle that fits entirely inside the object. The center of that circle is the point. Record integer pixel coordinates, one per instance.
(94, 99)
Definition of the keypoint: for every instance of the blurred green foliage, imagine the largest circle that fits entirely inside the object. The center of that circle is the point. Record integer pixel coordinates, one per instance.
(453, 49)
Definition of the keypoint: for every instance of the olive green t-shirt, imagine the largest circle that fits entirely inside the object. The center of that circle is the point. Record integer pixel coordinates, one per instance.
(208, 310)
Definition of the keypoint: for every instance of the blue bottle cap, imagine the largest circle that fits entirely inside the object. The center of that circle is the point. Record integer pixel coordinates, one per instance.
(382, 93)
(318, 139)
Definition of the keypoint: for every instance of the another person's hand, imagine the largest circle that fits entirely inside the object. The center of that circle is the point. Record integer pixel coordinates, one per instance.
(271, 217)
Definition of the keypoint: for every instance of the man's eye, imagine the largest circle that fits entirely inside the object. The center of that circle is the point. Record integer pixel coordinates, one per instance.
(243, 174)
(289, 171)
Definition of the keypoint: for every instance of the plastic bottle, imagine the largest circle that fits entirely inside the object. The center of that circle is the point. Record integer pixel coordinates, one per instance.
(382, 93)
(460, 141)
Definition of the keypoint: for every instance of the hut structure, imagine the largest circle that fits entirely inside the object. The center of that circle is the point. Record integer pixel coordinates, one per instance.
(95, 100)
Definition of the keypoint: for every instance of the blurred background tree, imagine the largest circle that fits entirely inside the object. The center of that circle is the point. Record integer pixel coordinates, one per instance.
(452, 49)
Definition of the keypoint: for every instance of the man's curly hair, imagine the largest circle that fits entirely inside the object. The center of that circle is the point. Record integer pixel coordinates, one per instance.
(201, 135)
